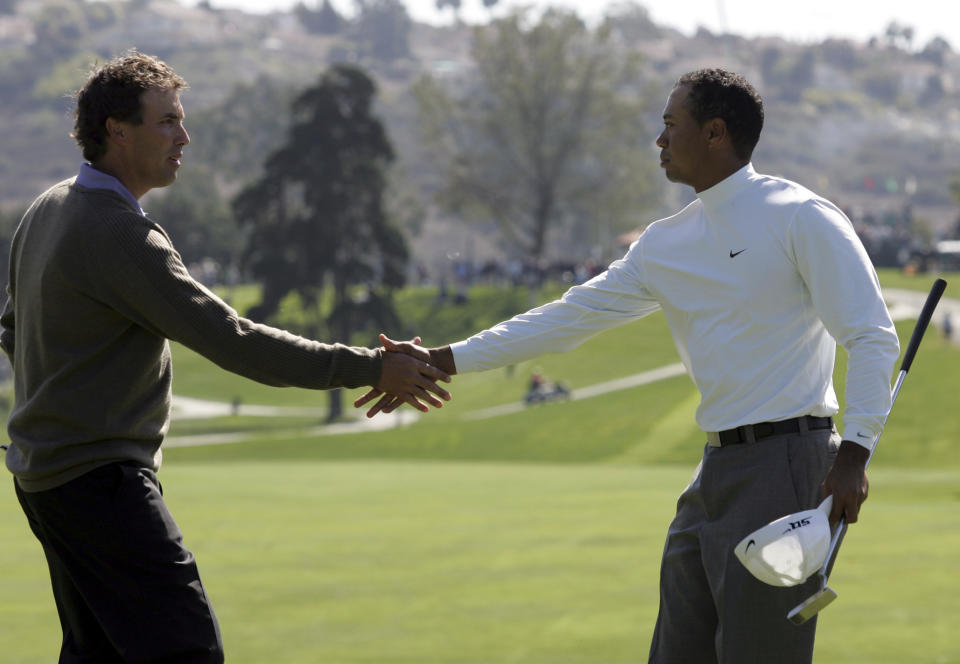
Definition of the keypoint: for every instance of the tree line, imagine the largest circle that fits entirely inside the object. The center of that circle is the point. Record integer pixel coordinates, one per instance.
(541, 137)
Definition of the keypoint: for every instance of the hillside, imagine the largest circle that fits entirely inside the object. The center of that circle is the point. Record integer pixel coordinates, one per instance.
(872, 126)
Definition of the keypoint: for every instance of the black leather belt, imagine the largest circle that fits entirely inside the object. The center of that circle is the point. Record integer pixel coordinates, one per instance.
(751, 433)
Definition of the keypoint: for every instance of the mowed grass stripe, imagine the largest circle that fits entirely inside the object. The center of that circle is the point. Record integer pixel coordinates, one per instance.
(647, 424)
(395, 562)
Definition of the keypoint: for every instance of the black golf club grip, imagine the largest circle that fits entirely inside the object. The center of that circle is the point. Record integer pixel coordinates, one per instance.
(922, 321)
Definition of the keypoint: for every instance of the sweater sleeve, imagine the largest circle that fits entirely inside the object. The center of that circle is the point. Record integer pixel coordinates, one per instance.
(144, 279)
(846, 295)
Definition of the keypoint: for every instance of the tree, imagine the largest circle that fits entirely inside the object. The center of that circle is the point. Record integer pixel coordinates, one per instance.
(882, 84)
(454, 5)
(633, 22)
(936, 51)
(383, 29)
(841, 53)
(197, 218)
(233, 136)
(99, 15)
(324, 21)
(933, 90)
(955, 193)
(898, 35)
(545, 135)
(457, 5)
(59, 26)
(316, 217)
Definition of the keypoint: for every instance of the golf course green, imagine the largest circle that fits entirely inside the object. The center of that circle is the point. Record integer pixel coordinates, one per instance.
(531, 537)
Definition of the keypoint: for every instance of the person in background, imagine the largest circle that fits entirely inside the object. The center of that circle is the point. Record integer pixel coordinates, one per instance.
(95, 291)
(759, 279)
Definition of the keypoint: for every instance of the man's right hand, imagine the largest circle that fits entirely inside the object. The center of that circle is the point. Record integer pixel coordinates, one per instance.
(439, 362)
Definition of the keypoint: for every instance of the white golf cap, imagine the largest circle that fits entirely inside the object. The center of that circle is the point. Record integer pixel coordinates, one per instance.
(786, 552)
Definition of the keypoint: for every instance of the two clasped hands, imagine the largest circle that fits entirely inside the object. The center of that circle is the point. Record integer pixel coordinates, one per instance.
(410, 374)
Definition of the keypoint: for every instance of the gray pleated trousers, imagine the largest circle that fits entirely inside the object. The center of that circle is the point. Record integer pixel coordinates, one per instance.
(712, 610)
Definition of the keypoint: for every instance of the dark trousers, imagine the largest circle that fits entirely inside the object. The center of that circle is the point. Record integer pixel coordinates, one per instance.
(126, 588)
(712, 610)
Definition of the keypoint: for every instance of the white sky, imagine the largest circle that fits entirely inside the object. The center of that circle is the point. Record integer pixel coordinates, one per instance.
(807, 21)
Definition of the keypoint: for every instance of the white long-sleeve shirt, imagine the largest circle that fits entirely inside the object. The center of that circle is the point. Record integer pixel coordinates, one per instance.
(759, 278)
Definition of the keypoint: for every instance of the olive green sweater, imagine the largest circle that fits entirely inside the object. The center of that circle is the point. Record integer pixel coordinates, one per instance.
(95, 292)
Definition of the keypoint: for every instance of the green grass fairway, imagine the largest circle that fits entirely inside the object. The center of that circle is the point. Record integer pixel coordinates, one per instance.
(528, 538)
(449, 563)
(650, 424)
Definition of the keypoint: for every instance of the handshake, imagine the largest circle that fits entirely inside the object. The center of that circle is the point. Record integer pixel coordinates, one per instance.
(410, 373)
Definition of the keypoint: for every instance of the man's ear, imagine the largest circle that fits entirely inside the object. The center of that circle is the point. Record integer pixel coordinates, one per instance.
(115, 130)
(716, 131)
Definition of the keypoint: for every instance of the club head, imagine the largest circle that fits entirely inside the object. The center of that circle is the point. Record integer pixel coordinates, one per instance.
(812, 606)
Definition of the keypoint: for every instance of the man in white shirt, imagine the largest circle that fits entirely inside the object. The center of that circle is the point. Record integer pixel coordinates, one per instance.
(759, 279)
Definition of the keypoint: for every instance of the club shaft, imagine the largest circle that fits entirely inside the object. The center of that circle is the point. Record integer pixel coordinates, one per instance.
(893, 399)
(825, 595)
(923, 321)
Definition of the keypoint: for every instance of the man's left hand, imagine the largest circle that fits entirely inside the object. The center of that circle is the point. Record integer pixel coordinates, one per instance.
(847, 482)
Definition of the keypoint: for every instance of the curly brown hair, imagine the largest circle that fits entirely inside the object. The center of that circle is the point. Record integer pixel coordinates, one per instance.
(113, 91)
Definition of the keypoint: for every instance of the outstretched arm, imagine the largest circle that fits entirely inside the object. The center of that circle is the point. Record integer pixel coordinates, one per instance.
(613, 298)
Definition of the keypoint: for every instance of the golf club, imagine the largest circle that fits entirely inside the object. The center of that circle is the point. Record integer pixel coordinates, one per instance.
(820, 599)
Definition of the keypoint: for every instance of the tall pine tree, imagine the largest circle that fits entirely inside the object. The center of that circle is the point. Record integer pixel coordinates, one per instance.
(316, 218)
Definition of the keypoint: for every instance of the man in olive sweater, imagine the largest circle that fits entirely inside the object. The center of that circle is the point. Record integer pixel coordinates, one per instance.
(96, 289)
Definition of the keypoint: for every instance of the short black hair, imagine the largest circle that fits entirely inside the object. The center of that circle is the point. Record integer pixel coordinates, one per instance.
(113, 91)
(718, 93)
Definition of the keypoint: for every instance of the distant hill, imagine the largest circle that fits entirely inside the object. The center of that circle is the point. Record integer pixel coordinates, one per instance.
(873, 126)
